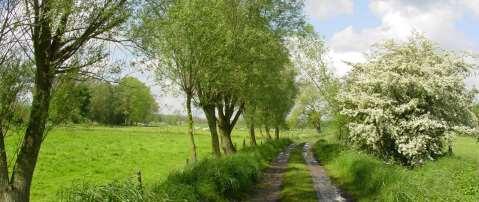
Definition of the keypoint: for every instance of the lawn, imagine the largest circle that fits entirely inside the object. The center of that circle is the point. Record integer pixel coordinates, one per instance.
(450, 178)
(103, 154)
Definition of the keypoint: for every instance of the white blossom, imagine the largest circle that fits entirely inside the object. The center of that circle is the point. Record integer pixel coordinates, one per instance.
(408, 101)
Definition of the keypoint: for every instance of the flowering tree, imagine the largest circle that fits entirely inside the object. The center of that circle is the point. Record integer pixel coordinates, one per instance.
(408, 101)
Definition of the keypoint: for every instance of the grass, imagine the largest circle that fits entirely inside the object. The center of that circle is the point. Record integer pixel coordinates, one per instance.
(297, 181)
(102, 154)
(451, 178)
(225, 179)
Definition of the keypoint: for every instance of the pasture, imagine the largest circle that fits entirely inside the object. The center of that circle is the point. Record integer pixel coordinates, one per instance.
(95, 154)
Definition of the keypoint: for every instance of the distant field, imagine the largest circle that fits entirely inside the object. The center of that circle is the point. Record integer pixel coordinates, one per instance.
(103, 154)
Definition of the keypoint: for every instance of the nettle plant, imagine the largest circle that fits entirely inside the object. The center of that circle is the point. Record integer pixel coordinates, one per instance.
(408, 101)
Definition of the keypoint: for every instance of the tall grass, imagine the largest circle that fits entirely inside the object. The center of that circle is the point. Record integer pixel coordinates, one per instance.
(224, 179)
(367, 178)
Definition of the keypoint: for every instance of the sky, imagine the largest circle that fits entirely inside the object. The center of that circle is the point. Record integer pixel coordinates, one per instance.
(350, 27)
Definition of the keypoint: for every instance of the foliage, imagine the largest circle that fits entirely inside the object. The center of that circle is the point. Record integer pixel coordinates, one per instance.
(136, 104)
(367, 178)
(71, 102)
(320, 87)
(308, 109)
(127, 103)
(408, 101)
(15, 82)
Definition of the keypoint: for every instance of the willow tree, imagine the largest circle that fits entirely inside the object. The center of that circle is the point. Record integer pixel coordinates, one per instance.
(254, 31)
(58, 32)
(182, 38)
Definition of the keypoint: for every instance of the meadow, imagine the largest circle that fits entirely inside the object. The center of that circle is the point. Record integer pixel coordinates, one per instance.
(95, 154)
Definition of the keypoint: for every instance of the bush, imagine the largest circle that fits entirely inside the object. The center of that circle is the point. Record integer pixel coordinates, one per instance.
(408, 101)
(224, 179)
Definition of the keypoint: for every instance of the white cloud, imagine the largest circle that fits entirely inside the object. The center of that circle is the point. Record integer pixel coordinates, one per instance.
(399, 19)
(323, 9)
(473, 5)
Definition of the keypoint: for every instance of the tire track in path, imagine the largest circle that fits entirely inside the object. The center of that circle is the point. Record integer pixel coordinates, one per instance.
(269, 189)
(326, 191)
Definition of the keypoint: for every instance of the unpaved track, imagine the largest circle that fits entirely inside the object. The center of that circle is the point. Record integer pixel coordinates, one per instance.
(325, 190)
(269, 189)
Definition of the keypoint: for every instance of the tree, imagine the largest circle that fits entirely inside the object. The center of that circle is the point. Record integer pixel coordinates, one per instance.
(135, 104)
(407, 102)
(184, 34)
(70, 101)
(254, 53)
(58, 32)
(104, 104)
(308, 53)
(309, 109)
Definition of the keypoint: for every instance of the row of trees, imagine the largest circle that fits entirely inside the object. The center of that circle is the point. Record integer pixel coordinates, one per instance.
(228, 57)
(127, 103)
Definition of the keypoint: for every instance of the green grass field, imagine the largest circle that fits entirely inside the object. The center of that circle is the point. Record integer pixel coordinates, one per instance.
(103, 154)
(450, 178)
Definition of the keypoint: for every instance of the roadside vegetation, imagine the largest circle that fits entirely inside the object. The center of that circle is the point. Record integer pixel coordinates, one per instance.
(368, 178)
(210, 179)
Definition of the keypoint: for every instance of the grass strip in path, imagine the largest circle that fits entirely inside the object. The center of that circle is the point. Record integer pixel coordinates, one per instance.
(326, 191)
(297, 182)
(270, 187)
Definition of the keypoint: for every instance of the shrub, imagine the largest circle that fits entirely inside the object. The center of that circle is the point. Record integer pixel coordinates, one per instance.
(408, 101)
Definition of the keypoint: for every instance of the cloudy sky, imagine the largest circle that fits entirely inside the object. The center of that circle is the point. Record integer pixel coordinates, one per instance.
(350, 27)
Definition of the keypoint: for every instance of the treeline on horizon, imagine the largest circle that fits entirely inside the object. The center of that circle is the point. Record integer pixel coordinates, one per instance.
(126, 102)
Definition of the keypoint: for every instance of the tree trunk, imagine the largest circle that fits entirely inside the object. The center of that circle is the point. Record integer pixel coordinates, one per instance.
(276, 132)
(268, 134)
(252, 134)
(20, 183)
(211, 118)
(190, 127)
(226, 142)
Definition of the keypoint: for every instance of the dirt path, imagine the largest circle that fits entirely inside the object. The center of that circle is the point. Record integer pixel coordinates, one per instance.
(269, 189)
(325, 190)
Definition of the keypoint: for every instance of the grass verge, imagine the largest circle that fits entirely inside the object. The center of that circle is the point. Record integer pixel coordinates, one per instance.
(451, 178)
(297, 181)
(224, 179)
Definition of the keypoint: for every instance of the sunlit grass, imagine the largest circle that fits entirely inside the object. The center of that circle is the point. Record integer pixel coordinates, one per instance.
(103, 154)
(450, 178)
